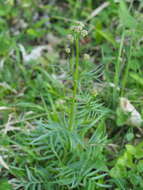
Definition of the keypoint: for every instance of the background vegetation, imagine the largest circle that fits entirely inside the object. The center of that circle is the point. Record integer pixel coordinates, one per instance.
(64, 116)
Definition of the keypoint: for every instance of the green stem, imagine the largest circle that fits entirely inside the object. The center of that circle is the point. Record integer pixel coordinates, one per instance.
(117, 69)
(71, 61)
(75, 10)
(127, 71)
(75, 85)
(90, 4)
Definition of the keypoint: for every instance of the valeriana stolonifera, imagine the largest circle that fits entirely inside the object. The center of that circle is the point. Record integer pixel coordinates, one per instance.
(77, 32)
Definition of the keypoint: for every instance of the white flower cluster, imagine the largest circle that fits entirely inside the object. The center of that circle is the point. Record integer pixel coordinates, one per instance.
(79, 29)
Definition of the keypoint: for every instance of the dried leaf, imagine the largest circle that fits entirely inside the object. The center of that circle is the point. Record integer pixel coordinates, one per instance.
(35, 53)
(98, 10)
(2, 63)
(3, 108)
(2, 162)
(135, 117)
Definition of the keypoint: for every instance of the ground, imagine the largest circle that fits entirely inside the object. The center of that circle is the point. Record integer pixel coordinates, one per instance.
(71, 101)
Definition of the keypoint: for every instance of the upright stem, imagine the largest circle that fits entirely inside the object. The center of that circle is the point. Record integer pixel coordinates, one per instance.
(75, 85)
(71, 61)
(126, 74)
(117, 69)
(76, 73)
(90, 4)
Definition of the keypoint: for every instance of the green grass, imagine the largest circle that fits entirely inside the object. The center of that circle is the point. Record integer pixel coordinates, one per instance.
(61, 123)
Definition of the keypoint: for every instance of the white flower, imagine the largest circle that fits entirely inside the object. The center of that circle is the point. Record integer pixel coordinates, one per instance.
(77, 29)
(67, 50)
(84, 33)
(86, 56)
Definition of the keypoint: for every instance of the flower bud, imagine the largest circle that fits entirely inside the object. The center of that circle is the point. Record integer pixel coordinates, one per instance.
(77, 29)
(70, 38)
(86, 56)
(84, 33)
(67, 50)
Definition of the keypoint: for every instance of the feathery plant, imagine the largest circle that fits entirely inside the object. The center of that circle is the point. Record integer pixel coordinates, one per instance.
(66, 151)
